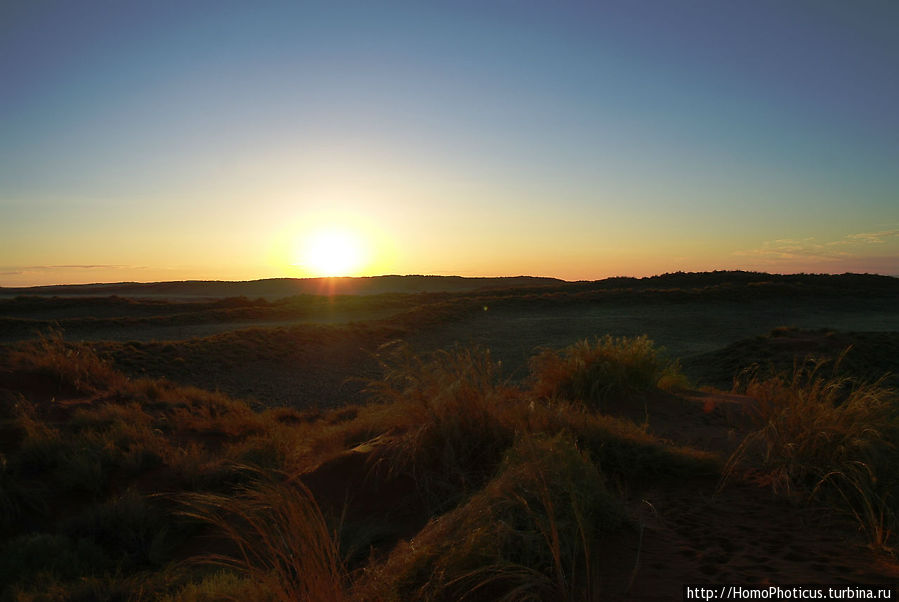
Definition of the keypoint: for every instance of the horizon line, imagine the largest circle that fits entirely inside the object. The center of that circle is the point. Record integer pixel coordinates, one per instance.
(372, 277)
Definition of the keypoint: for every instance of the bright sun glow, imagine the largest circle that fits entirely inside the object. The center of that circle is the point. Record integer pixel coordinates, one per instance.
(332, 253)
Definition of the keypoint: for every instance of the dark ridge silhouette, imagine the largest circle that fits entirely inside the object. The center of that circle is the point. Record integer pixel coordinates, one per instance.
(687, 280)
(285, 287)
(373, 285)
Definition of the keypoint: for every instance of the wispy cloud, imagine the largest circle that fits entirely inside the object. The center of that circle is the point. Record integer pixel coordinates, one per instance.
(38, 268)
(32, 275)
(874, 238)
(851, 252)
(785, 249)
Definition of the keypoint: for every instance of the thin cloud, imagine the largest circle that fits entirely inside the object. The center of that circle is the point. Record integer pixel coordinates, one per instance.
(788, 249)
(851, 246)
(37, 268)
(874, 238)
(34, 275)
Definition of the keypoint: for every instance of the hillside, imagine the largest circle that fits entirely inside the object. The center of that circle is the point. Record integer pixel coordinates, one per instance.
(283, 287)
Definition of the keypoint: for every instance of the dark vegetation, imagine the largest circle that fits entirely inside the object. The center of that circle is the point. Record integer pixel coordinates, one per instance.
(849, 284)
(285, 287)
(870, 355)
(172, 470)
(109, 482)
(83, 311)
(310, 350)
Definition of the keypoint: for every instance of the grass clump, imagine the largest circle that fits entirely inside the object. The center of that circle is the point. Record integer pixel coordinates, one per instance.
(827, 437)
(72, 368)
(130, 527)
(280, 539)
(35, 557)
(451, 420)
(592, 372)
(627, 452)
(531, 533)
(100, 544)
(220, 585)
(82, 453)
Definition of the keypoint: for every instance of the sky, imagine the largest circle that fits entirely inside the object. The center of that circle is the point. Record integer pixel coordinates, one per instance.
(235, 140)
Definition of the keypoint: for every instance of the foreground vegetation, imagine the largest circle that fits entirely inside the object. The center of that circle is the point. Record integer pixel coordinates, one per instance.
(830, 437)
(450, 483)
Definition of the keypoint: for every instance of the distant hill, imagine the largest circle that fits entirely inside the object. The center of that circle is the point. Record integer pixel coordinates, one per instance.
(731, 285)
(688, 280)
(285, 287)
(718, 284)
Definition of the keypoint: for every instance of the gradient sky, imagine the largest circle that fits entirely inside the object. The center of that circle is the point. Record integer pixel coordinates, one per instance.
(207, 140)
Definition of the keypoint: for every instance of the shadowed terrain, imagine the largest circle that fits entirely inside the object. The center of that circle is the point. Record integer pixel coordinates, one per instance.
(310, 350)
(515, 441)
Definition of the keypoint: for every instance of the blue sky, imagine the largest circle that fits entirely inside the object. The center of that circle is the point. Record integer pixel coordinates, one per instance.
(170, 140)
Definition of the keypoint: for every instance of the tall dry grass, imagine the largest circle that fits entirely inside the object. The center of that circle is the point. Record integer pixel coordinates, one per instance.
(532, 533)
(827, 437)
(449, 419)
(279, 538)
(72, 367)
(509, 475)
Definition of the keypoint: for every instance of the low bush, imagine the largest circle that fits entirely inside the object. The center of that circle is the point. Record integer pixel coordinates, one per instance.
(592, 372)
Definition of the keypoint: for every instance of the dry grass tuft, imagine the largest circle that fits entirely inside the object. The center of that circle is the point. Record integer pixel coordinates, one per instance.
(830, 437)
(449, 417)
(531, 533)
(72, 368)
(282, 541)
(592, 372)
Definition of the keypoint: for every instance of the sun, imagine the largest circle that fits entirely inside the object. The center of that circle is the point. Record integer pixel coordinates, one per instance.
(332, 252)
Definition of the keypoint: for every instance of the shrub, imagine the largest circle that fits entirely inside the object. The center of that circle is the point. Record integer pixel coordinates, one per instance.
(593, 372)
